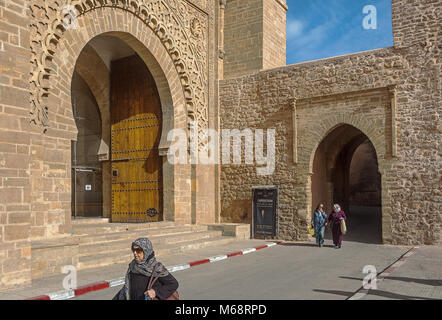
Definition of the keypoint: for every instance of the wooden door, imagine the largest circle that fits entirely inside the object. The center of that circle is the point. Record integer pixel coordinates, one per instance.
(136, 131)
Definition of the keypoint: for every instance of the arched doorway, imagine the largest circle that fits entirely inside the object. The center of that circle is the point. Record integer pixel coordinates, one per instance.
(345, 171)
(126, 134)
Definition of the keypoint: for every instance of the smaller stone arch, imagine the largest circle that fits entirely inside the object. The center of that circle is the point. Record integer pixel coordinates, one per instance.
(320, 130)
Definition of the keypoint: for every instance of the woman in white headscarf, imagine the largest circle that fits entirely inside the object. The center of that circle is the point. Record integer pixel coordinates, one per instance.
(141, 269)
(335, 219)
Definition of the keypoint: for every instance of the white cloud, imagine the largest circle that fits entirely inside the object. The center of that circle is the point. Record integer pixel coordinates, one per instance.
(294, 28)
(314, 37)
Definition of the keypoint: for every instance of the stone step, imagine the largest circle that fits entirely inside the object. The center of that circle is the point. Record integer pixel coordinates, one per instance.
(125, 256)
(94, 228)
(134, 234)
(157, 241)
(83, 221)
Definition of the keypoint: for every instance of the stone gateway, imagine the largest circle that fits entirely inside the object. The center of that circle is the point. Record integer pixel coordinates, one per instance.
(91, 89)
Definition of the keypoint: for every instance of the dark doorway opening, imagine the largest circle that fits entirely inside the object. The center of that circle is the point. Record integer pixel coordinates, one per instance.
(345, 171)
(87, 191)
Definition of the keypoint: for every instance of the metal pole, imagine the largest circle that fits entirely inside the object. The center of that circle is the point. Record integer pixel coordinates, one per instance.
(253, 214)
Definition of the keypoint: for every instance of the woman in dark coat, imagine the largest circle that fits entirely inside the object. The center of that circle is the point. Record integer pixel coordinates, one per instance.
(335, 219)
(139, 273)
(318, 223)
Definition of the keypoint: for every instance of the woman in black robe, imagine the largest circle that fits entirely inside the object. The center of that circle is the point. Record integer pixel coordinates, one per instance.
(141, 269)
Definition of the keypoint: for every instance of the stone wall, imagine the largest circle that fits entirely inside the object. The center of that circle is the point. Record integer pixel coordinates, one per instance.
(274, 33)
(254, 36)
(392, 95)
(15, 153)
(50, 258)
(243, 32)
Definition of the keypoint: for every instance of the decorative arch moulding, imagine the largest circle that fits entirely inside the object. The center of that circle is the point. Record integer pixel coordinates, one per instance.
(181, 27)
(297, 101)
(341, 95)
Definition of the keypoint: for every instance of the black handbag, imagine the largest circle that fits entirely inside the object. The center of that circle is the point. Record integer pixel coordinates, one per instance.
(174, 296)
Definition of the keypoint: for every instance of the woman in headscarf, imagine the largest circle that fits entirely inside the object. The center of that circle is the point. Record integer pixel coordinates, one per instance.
(335, 219)
(141, 269)
(318, 223)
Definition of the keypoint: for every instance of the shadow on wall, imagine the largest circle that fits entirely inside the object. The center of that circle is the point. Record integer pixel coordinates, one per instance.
(364, 224)
(240, 211)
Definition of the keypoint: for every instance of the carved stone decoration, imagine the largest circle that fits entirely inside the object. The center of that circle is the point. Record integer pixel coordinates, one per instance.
(393, 96)
(202, 4)
(195, 27)
(180, 26)
(295, 128)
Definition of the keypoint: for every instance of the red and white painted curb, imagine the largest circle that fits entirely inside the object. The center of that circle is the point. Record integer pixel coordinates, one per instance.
(385, 274)
(68, 294)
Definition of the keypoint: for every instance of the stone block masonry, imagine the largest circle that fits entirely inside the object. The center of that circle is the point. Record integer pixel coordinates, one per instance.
(15, 192)
(254, 36)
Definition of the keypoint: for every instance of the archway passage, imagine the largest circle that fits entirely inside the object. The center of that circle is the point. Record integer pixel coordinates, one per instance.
(345, 171)
(137, 182)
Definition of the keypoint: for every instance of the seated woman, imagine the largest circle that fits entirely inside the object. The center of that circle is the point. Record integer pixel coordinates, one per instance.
(141, 269)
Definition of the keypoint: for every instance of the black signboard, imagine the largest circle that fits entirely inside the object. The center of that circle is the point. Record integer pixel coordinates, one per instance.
(264, 211)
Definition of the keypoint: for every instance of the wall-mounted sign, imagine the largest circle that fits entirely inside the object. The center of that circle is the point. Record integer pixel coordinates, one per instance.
(264, 206)
(88, 187)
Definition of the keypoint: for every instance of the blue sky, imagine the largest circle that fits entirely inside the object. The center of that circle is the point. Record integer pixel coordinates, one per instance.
(319, 29)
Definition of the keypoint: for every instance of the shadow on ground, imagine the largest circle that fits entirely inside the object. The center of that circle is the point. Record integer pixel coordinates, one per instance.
(428, 282)
(372, 292)
(291, 244)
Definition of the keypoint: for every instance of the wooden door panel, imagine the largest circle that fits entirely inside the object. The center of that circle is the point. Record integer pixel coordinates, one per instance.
(145, 169)
(136, 128)
(143, 198)
(120, 139)
(119, 172)
(145, 136)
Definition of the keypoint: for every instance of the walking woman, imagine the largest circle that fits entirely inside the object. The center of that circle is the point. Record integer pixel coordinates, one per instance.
(141, 269)
(335, 219)
(318, 223)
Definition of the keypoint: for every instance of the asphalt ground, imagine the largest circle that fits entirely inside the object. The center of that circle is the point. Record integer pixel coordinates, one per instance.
(283, 272)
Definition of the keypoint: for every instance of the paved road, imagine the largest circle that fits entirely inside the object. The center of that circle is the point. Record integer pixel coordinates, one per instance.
(286, 271)
(419, 278)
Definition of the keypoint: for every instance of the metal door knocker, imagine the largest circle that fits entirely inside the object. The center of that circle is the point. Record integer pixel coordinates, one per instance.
(152, 212)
